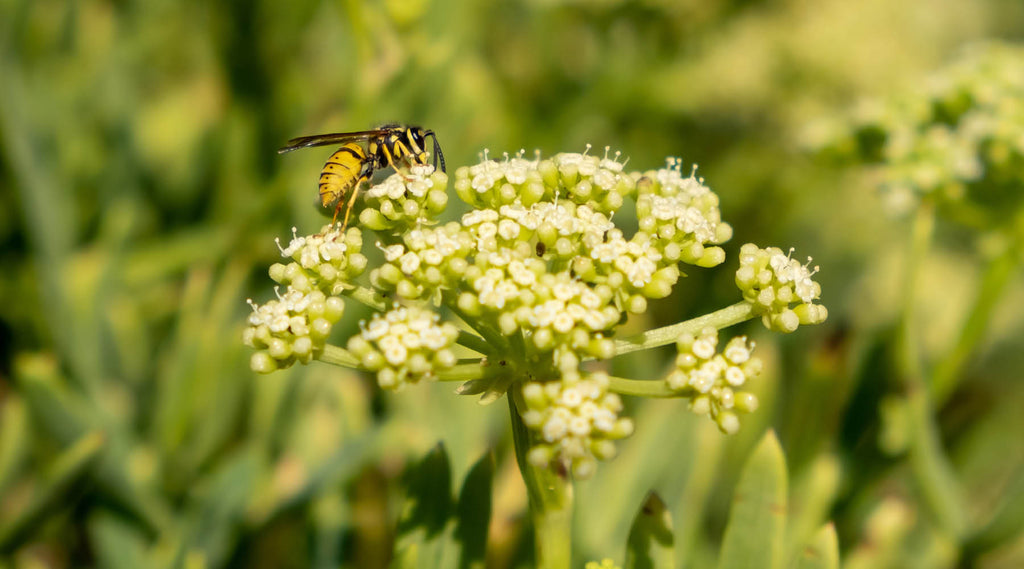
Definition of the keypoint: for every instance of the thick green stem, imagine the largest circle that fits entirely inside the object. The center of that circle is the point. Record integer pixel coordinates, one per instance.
(551, 496)
(930, 466)
(641, 387)
(369, 297)
(949, 370)
(719, 319)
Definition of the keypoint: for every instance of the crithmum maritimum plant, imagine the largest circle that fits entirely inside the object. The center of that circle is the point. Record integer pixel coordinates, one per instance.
(533, 282)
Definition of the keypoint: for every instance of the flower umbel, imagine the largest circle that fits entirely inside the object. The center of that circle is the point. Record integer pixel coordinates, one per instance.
(535, 281)
(576, 422)
(292, 328)
(405, 345)
(712, 380)
(772, 282)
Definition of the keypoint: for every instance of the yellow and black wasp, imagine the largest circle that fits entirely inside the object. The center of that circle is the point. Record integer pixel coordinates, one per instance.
(352, 165)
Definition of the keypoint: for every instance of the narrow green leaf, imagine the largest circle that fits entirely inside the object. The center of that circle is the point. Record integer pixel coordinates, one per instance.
(219, 505)
(118, 544)
(822, 552)
(651, 544)
(15, 438)
(66, 415)
(422, 528)
(1008, 522)
(429, 498)
(755, 534)
(474, 513)
(330, 514)
(817, 484)
(56, 484)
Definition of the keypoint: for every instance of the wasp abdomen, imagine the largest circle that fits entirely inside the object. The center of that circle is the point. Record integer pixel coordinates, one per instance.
(343, 170)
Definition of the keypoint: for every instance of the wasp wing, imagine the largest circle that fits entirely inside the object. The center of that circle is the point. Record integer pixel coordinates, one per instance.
(329, 139)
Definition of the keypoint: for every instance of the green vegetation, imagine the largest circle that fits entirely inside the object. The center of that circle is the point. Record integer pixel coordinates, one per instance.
(141, 193)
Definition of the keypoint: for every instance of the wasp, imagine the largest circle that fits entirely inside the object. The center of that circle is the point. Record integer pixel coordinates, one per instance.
(353, 164)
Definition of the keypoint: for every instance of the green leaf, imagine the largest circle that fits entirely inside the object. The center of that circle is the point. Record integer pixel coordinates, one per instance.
(474, 513)
(66, 415)
(822, 552)
(651, 543)
(118, 544)
(57, 483)
(218, 507)
(422, 539)
(15, 438)
(755, 534)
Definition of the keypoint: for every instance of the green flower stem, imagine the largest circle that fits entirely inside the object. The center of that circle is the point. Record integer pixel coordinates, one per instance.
(930, 466)
(551, 497)
(474, 342)
(464, 371)
(369, 297)
(948, 371)
(641, 387)
(494, 339)
(908, 353)
(719, 319)
(340, 357)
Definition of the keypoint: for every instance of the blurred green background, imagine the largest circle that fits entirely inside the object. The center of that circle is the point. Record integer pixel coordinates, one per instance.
(141, 195)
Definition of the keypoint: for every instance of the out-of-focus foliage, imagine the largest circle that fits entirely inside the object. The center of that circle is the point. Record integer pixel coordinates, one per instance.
(140, 193)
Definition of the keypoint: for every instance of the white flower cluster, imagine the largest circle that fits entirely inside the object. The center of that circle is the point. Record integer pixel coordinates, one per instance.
(405, 345)
(578, 177)
(575, 421)
(292, 328)
(683, 213)
(636, 269)
(327, 261)
(405, 199)
(588, 180)
(772, 281)
(428, 261)
(712, 379)
(494, 183)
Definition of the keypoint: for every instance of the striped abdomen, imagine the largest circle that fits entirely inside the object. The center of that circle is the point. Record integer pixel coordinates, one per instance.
(345, 168)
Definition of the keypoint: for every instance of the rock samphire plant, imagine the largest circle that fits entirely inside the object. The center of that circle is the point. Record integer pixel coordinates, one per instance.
(523, 296)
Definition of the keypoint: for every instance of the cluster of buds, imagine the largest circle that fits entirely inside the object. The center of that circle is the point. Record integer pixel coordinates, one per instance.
(404, 201)
(779, 288)
(712, 380)
(293, 328)
(405, 345)
(540, 278)
(328, 261)
(576, 422)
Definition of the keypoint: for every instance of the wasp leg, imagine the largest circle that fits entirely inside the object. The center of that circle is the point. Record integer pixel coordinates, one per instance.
(404, 155)
(351, 204)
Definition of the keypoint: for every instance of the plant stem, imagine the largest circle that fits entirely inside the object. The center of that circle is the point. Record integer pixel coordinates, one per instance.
(948, 371)
(719, 319)
(641, 387)
(369, 297)
(340, 357)
(928, 463)
(551, 497)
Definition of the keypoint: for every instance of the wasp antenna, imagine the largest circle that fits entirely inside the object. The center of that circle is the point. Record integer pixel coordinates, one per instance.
(438, 155)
